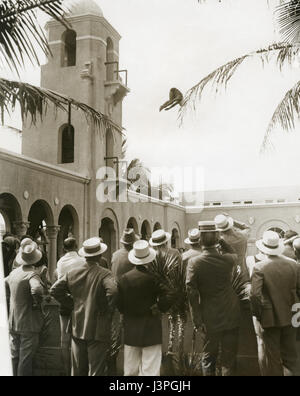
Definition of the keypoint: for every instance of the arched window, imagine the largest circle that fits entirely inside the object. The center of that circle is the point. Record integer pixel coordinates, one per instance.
(110, 67)
(68, 57)
(109, 148)
(67, 139)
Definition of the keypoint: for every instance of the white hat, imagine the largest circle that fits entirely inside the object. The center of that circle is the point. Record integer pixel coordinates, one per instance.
(194, 237)
(92, 247)
(271, 244)
(29, 254)
(224, 223)
(159, 237)
(141, 254)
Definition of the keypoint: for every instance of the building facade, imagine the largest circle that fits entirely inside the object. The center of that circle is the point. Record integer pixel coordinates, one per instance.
(52, 189)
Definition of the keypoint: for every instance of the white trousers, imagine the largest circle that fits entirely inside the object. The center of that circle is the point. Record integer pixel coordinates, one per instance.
(142, 361)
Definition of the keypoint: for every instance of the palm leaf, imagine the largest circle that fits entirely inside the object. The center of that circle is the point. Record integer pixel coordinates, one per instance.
(20, 31)
(285, 53)
(285, 114)
(170, 274)
(288, 15)
(34, 102)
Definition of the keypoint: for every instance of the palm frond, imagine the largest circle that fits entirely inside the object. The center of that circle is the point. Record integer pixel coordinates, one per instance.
(21, 33)
(288, 15)
(285, 53)
(170, 274)
(285, 114)
(34, 102)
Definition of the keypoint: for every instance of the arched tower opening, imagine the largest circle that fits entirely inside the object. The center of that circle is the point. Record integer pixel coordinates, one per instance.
(68, 50)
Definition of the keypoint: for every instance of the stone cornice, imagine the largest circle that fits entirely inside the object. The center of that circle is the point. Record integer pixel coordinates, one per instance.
(262, 205)
(31, 163)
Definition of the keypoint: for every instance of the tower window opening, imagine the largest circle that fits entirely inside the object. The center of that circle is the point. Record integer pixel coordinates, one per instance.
(111, 67)
(69, 48)
(67, 144)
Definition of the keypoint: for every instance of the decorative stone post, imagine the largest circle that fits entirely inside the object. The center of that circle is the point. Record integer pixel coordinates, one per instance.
(52, 232)
(21, 228)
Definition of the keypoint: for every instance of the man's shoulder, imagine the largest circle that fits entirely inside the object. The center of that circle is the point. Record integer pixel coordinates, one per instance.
(190, 254)
(120, 253)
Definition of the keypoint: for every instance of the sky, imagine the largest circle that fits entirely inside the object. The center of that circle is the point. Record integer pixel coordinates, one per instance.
(175, 43)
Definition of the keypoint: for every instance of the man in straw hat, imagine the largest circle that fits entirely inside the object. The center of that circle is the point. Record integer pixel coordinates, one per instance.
(218, 311)
(275, 289)
(194, 242)
(235, 234)
(67, 262)
(89, 291)
(120, 263)
(25, 318)
(139, 299)
(160, 242)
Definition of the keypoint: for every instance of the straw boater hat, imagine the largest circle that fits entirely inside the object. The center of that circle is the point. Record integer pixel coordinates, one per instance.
(92, 248)
(207, 226)
(129, 237)
(29, 254)
(194, 237)
(271, 244)
(159, 237)
(141, 254)
(224, 223)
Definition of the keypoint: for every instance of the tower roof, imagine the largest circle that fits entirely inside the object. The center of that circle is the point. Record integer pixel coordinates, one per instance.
(83, 7)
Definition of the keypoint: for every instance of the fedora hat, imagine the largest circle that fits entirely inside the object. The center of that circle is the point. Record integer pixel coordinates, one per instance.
(194, 237)
(141, 253)
(129, 237)
(92, 248)
(207, 226)
(29, 253)
(224, 223)
(159, 237)
(271, 244)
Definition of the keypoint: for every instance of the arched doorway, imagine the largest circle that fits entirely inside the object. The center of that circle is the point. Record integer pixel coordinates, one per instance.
(108, 233)
(146, 230)
(132, 223)
(175, 240)
(10, 211)
(110, 67)
(110, 149)
(69, 227)
(66, 144)
(157, 226)
(68, 51)
(40, 217)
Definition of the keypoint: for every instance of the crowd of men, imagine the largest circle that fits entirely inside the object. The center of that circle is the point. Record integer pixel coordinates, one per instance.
(220, 279)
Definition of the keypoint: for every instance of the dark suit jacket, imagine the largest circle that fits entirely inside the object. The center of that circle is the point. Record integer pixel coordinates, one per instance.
(289, 252)
(25, 289)
(91, 289)
(239, 242)
(186, 256)
(120, 263)
(138, 292)
(275, 289)
(209, 276)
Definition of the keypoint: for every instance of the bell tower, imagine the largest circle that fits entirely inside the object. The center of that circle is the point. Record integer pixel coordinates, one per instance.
(85, 66)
